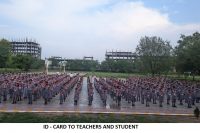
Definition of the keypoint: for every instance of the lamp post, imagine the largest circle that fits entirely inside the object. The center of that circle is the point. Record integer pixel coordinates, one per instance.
(64, 65)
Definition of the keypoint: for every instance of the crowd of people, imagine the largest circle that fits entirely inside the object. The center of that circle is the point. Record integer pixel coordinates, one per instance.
(101, 88)
(146, 90)
(67, 88)
(31, 87)
(155, 90)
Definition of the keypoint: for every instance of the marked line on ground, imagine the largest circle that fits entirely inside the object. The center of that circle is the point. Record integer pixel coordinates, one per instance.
(99, 112)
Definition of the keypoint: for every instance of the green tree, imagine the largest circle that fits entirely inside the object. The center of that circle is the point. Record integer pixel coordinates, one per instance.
(5, 53)
(118, 65)
(154, 55)
(82, 65)
(37, 63)
(188, 54)
(22, 62)
(104, 66)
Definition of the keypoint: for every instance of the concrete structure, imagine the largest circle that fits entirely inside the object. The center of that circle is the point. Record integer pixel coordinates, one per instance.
(56, 58)
(88, 58)
(26, 47)
(61, 59)
(120, 55)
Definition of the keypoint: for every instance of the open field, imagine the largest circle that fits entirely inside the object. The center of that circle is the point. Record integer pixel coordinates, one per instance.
(91, 118)
(182, 77)
(7, 70)
(126, 75)
(104, 74)
(111, 74)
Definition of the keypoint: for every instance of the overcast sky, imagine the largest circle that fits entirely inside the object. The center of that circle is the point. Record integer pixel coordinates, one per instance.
(77, 28)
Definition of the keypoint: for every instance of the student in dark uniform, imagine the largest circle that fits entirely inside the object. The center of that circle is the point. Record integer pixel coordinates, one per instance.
(154, 96)
(61, 97)
(133, 98)
(20, 92)
(76, 97)
(30, 95)
(174, 99)
(46, 95)
(189, 100)
(90, 98)
(104, 94)
(181, 97)
(119, 96)
(142, 97)
(193, 96)
(11, 91)
(161, 99)
(35, 93)
(147, 98)
(14, 99)
(5, 93)
(168, 97)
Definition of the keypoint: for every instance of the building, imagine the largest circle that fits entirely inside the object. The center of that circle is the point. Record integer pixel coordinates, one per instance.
(88, 58)
(56, 58)
(60, 59)
(26, 47)
(120, 55)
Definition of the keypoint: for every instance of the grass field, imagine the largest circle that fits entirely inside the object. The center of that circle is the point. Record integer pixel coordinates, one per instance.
(111, 74)
(91, 118)
(7, 70)
(126, 75)
(106, 74)
(182, 77)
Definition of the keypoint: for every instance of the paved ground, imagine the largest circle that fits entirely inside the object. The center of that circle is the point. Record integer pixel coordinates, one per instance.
(97, 106)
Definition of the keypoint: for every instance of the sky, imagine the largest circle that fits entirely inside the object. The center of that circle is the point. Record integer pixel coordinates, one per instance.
(78, 28)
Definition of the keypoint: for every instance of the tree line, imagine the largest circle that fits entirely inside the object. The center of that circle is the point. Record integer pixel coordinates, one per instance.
(154, 55)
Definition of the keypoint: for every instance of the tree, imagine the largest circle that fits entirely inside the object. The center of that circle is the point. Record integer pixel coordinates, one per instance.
(22, 62)
(5, 52)
(154, 54)
(82, 65)
(37, 63)
(104, 66)
(188, 54)
(118, 65)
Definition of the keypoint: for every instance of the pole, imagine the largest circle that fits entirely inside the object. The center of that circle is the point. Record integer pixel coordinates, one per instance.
(46, 66)
(64, 68)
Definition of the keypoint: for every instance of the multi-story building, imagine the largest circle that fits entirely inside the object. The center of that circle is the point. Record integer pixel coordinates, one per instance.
(26, 47)
(120, 55)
